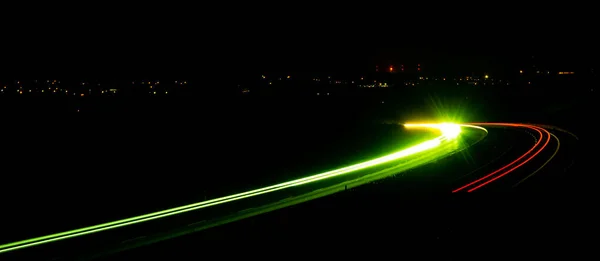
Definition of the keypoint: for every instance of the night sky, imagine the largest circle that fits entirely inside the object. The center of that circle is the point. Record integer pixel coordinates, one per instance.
(364, 60)
(436, 60)
(248, 58)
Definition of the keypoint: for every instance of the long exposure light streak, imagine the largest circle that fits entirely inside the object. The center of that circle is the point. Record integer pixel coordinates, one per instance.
(448, 132)
(545, 163)
(539, 146)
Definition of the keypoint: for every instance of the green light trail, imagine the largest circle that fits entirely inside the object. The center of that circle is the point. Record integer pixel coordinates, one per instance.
(448, 132)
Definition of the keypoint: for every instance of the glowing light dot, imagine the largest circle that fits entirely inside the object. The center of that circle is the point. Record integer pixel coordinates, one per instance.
(450, 131)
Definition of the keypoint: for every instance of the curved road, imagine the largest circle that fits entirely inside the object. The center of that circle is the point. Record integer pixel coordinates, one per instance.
(300, 190)
(542, 136)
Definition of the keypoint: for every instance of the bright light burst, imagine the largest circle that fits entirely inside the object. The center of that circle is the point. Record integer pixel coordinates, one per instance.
(448, 130)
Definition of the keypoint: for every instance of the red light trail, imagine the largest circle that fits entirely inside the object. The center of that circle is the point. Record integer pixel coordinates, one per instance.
(539, 146)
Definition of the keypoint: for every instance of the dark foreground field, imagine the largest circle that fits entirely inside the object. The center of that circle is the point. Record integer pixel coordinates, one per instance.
(118, 158)
(300, 137)
(552, 209)
(415, 208)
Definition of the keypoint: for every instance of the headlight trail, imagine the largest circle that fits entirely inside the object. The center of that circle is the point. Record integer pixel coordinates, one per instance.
(448, 132)
(539, 146)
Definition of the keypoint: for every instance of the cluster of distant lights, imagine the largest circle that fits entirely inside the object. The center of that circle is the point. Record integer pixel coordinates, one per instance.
(548, 72)
(471, 80)
(50, 90)
(362, 83)
(57, 90)
(374, 83)
(158, 82)
(153, 85)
